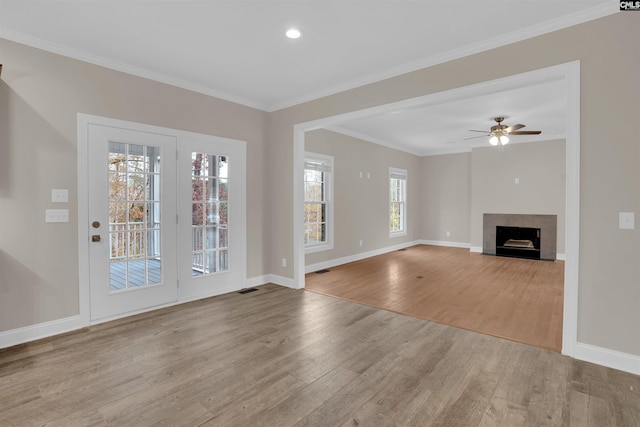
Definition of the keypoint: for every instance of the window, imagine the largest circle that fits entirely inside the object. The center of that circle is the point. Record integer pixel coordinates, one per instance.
(397, 202)
(318, 207)
(209, 213)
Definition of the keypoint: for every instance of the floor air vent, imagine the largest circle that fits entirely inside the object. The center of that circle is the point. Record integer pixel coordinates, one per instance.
(322, 271)
(246, 291)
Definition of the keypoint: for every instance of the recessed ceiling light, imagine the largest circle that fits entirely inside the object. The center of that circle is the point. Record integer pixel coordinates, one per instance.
(293, 33)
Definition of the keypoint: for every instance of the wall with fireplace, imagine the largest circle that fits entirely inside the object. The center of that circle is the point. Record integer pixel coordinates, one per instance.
(524, 179)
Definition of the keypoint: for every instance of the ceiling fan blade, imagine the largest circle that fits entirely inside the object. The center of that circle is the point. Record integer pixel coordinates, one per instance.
(474, 137)
(526, 132)
(514, 127)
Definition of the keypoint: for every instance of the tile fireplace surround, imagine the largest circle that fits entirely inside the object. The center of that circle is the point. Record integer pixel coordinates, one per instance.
(546, 223)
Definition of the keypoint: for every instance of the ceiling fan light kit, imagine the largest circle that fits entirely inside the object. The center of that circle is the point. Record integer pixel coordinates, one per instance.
(498, 133)
(495, 140)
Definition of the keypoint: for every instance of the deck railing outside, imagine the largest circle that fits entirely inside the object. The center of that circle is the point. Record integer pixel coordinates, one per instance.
(142, 242)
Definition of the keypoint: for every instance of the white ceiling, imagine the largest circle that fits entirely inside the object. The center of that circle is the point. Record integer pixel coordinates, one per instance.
(444, 127)
(236, 50)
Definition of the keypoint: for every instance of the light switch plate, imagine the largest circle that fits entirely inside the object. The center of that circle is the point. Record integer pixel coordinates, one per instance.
(627, 220)
(57, 215)
(59, 195)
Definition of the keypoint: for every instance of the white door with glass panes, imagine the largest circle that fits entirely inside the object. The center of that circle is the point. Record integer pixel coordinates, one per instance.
(211, 215)
(132, 227)
(166, 215)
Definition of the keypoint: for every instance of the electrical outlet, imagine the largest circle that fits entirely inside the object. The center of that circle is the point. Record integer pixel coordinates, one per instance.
(360, 242)
(627, 220)
(284, 262)
(448, 234)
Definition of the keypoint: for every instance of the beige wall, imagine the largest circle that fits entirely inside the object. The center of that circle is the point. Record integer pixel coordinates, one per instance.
(610, 177)
(41, 93)
(362, 204)
(40, 96)
(446, 197)
(540, 168)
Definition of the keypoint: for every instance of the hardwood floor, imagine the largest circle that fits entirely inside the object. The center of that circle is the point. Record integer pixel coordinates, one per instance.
(281, 357)
(517, 299)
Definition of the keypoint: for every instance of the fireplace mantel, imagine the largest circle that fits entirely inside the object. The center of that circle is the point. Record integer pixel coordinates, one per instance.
(547, 224)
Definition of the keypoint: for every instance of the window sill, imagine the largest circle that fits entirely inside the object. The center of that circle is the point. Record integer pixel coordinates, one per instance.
(318, 248)
(397, 234)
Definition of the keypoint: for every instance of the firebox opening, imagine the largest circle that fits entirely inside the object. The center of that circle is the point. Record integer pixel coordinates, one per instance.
(519, 242)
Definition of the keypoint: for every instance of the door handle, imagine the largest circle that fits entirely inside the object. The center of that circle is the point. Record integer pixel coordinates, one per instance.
(95, 238)
(95, 224)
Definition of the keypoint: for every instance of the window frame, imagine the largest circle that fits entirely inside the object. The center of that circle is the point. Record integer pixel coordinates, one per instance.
(325, 161)
(396, 173)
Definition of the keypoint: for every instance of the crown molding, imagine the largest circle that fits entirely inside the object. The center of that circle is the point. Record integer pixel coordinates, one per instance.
(79, 55)
(555, 24)
(503, 40)
(367, 138)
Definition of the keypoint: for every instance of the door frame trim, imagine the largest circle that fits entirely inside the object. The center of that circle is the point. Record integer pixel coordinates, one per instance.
(83, 123)
(569, 73)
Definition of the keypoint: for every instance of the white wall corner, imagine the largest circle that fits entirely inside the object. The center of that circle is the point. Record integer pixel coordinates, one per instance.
(609, 358)
(282, 281)
(256, 281)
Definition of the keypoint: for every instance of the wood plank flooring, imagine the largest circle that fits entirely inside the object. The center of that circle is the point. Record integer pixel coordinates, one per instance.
(283, 357)
(517, 299)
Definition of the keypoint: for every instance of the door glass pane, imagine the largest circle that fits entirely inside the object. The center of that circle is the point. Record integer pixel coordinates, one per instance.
(209, 199)
(134, 216)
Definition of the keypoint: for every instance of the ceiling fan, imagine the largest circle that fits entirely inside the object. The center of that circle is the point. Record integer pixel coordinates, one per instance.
(498, 133)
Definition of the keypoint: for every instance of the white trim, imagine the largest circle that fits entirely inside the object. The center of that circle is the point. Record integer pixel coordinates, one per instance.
(609, 358)
(445, 243)
(559, 23)
(572, 210)
(326, 160)
(84, 297)
(282, 281)
(270, 278)
(568, 72)
(403, 175)
(84, 120)
(361, 136)
(256, 281)
(357, 257)
(68, 52)
(560, 257)
(40, 330)
(556, 24)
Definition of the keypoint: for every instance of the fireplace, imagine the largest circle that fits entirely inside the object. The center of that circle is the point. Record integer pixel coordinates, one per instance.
(519, 242)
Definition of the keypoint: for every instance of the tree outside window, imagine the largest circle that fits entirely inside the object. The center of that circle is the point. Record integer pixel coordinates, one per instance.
(397, 201)
(317, 202)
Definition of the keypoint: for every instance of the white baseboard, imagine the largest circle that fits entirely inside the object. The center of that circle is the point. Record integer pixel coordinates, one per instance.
(282, 281)
(271, 278)
(41, 330)
(477, 249)
(609, 358)
(561, 257)
(445, 243)
(356, 257)
(256, 281)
